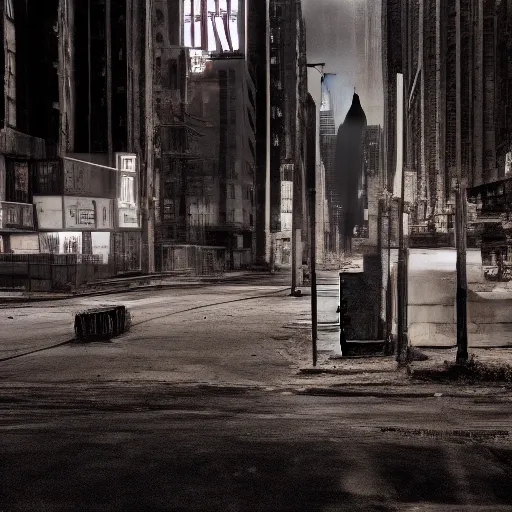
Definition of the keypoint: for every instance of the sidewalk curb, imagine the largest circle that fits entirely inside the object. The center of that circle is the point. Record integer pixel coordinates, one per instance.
(397, 391)
(129, 287)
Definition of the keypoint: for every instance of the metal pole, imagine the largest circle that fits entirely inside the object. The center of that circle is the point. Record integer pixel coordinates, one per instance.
(389, 294)
(402, 341)
(462, 284)
(294, 241)
(312, 246)
(343, 336)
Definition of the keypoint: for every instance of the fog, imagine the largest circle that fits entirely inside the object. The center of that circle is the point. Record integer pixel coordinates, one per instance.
(330, 39)
(331, 27)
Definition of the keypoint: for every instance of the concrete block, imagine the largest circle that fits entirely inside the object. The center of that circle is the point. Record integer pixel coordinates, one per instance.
(435, 335)
(435, 314)
(432, 288)
(490, 311)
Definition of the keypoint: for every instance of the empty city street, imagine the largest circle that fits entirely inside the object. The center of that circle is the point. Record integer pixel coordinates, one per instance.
(200, 406)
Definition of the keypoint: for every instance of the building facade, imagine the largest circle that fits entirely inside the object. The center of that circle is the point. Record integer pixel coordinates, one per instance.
(205, 125)
(456, 62)
(327, 154)
(368, 47)
(78, 133)
(288, 91)
(391, 66)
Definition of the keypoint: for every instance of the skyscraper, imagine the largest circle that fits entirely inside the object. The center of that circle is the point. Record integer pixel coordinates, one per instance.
(368, 45)
(327, 154)
(391, 66)
(349, 167)
(207, 132)
(452, 69)
(287, 124)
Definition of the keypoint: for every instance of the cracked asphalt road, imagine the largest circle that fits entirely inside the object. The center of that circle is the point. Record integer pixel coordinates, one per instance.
(187, 413)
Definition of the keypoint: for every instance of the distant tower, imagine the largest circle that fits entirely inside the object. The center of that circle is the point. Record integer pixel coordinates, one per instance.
(348, 165)
(327, 154)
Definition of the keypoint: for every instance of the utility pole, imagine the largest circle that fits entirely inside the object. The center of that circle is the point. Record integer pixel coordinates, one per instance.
(311, 182)
(460, 206)
(312, 271)
(462, 282)
(402, 341)
(311, 178)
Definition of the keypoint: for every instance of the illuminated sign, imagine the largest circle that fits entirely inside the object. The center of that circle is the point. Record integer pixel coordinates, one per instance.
(198, 60)
(128, 217)
(211, 25)
(508, 162)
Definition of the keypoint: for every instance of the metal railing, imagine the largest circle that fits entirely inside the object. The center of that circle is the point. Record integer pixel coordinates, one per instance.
(53, 272)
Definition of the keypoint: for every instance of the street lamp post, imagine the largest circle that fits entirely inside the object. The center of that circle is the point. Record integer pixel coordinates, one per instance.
(312, 209)
(462, 282)
(311, 152)
(402, 279)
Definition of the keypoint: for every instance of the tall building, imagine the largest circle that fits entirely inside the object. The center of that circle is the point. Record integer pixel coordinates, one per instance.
(288, 90)
(212, 196)
(391, 66)
(373, 183)
(222, 109)
(349, 172)
(257, 36)
(75, 137)
(327, 154)
(368, 46)
(456, 76)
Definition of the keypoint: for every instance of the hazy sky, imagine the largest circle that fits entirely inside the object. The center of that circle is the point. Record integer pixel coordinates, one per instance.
(330, 39)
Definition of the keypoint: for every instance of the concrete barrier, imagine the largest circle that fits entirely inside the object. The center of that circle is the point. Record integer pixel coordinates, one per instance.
(101, 323)
(432, 312)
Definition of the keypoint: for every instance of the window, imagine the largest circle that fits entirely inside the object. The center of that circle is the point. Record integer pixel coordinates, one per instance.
(168, 213)
(231, 216)
(11, 89)
(232, 194)
(158, 70)
(286, 196)
(9, 9)
(173, 74)
(159, 38)
(127, 190)
(128, 163)
(12, 215)
(159, 16)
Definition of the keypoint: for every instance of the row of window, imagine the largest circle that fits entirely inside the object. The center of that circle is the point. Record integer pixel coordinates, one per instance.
(247, 192)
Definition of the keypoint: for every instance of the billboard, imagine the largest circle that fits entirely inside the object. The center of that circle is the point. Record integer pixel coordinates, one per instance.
(128, 217)
(101, 244)
(88, 213)
(128, 191)
(63, 242)
(49, 212)
(25, 244)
